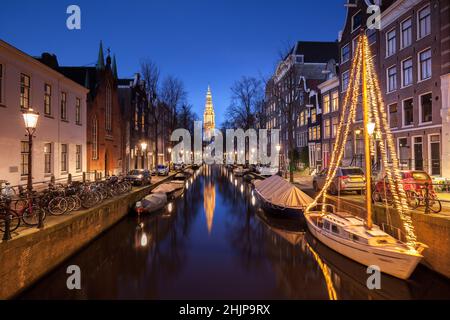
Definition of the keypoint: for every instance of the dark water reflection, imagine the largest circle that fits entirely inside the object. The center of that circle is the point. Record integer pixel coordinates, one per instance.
(216, 244)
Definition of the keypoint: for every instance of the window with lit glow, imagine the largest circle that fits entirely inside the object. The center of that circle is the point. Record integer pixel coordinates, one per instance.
(47, 99)
(25, 84)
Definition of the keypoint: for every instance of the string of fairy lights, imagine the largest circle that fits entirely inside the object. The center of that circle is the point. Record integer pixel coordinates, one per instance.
(382, 135)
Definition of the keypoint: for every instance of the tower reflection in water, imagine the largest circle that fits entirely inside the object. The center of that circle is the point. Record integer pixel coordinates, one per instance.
(209, 198)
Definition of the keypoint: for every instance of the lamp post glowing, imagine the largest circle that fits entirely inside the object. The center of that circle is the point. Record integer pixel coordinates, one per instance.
(371, 128)
(143, 149)
(30, 118)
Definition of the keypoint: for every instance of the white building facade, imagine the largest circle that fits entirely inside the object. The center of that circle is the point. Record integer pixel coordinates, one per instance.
(59, 146)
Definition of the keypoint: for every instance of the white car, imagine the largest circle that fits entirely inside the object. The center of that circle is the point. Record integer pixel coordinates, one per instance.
(268, 171)
(162, 170)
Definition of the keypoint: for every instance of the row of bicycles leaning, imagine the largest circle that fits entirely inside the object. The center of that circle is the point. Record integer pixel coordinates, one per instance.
(23, 207)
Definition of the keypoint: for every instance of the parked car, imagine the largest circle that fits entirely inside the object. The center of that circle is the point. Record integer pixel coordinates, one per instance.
(346, 179)
(139, 177)
(268, 171)
(162, 170)
(415, 186)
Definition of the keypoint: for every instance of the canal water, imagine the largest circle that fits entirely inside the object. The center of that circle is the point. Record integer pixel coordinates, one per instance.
(216, 243)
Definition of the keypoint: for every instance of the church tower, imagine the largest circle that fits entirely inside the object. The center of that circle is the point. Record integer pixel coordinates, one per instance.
(208, 116)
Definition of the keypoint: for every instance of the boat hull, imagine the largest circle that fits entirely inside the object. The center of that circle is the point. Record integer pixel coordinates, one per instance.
(399, 265)
(279, 211)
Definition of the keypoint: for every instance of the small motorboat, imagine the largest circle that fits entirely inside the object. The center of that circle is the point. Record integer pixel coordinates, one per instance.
(195, 166)
(281, 197)
(349, 235)
(151, 203)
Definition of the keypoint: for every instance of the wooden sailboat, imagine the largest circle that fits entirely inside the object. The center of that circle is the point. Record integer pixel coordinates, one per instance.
(353, 237)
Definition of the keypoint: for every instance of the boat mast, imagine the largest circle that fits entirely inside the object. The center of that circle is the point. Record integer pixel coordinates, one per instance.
(367, 157)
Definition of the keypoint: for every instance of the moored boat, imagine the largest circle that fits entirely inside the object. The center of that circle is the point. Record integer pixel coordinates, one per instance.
(280, 197)
(151, 203)
(349, 236)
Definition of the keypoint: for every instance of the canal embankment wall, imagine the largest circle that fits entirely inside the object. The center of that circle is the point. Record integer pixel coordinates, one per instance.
(431, 229)
(33, 253)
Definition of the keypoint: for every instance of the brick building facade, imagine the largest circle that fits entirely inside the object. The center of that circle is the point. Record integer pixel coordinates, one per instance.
(412, 59)
(104, 119)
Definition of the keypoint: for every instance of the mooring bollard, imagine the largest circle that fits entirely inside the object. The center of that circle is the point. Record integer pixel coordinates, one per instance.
(7, 234)
(41, 219)
(427, 198)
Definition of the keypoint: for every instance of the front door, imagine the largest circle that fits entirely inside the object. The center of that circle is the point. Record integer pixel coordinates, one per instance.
(435, 155)
(418, 153)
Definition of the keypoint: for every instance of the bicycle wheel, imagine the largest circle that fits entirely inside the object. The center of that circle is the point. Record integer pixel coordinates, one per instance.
(57, 206)
(88, 200)
(435, 205)
(71, 204)
(14, 223)
(31, 217)
(77, 203)
(20, 205)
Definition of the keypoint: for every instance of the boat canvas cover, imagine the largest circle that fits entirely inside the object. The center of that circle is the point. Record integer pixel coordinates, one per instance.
(281, 193)
(154, 200)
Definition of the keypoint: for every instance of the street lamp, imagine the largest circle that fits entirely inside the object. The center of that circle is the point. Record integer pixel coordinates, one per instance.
(370, 128)
(143, 148)
(30, 117)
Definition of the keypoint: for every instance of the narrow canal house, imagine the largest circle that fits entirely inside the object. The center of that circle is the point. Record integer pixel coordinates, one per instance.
(412, 57)
(329, 102)
(59, 146)
(104, 119)
(138, 136)
(290, 89)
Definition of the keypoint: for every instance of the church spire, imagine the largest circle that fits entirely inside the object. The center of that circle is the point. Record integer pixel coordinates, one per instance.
(209, 116)
(101, 60)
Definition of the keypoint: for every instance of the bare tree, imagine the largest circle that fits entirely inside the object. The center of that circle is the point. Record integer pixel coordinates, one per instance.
(151, 74)
(173, 95)
(186, 117)
(246, 98)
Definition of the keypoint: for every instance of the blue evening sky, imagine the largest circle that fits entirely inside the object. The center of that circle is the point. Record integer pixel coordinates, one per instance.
(200, 41)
